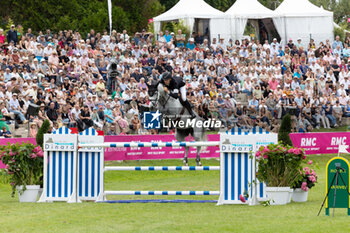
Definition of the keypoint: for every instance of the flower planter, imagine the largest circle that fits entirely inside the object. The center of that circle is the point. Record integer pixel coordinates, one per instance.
(300, 195)
(30, 194)
(290, 195)
(278, 195)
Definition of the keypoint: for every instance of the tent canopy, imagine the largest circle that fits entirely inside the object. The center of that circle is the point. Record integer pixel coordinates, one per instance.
(295, 8)
(301, 19)
(251, 9)
(189, 9)
(241, 11)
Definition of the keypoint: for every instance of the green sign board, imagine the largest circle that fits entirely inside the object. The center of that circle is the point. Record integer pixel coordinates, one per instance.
(342, 195)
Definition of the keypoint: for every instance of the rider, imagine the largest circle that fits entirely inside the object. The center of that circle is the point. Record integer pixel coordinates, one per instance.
(174, 85)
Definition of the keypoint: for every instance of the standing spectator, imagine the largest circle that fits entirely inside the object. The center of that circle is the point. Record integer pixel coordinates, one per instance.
(12, 35)
(2, 37)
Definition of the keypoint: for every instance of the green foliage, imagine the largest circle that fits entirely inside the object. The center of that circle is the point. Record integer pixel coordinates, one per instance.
(279, 165)
(339, 31)
(82, 15)
(175, 26)
(43, 130)
(285, 130)
(24, 164)
(340, 8)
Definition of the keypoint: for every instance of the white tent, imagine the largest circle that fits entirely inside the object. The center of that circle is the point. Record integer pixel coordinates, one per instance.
(188, 11)
(241, 11)
(302, 19)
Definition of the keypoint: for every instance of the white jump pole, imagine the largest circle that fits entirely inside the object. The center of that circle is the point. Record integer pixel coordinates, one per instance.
(164, 168)
(150, 144)
(163, 193)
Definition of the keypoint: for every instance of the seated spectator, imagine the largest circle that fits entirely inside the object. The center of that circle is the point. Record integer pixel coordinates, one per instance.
(5, 133)
(33, 130)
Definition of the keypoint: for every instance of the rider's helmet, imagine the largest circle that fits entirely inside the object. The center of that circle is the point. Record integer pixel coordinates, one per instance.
(166, 76)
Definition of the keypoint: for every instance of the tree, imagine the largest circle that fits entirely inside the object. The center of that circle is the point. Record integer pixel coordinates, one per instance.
(43, 130)
(285, 130)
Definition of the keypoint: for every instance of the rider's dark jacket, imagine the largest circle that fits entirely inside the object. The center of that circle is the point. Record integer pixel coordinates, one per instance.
(175, 84)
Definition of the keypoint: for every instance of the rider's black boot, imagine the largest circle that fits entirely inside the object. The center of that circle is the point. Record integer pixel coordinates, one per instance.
(187, 105)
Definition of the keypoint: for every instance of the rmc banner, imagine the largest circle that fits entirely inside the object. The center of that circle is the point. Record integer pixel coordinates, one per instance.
(320, 143)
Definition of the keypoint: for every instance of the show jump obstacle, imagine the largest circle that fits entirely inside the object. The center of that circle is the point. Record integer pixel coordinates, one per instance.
(74, 166)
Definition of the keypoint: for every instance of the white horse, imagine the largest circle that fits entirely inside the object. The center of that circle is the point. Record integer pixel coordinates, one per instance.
(176, 113)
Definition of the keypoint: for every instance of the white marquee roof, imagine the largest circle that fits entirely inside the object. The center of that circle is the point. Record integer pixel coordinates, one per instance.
(189, 9)
(300, 8)
(251, 9)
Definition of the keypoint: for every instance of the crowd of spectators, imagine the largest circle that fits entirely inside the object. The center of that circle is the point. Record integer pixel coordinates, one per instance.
(242, 83)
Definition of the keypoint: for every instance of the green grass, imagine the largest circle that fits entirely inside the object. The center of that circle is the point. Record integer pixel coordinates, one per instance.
(155, 217)
(338, 129)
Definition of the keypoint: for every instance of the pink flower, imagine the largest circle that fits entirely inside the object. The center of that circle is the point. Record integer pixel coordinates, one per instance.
(12, 183)
(307, 171)
(266, 150)
(265, 156)
(7, 166)
(291, 151)
(309, 162)
(11, 154)
(9, 172)
(33, 155)
(313, 172)
(37, 149)
(241, 198)
(40, 154)
(304, 186)
(258, 154)
(304, 157)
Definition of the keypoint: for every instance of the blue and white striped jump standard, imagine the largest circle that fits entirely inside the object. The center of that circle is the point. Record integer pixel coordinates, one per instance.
(238, 170)
(163, 168)
(163, 193)
(90, 167)
(60, 162)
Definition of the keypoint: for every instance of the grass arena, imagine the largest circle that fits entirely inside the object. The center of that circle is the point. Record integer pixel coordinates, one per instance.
(169, 217)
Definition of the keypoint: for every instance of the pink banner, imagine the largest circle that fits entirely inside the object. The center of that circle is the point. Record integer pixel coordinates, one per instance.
(320, 143)
(141, 153)
(4, 141)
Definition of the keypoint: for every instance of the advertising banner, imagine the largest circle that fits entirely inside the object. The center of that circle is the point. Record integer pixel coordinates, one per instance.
(141, 153)
(320, 143)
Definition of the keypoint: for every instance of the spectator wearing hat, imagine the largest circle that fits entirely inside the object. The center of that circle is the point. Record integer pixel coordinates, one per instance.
(190, 44)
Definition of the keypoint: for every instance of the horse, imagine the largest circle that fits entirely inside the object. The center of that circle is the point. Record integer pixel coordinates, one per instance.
(175, 112)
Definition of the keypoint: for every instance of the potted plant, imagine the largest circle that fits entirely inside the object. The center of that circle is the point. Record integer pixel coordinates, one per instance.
(24, 164)
(278, 167)
(306, 182)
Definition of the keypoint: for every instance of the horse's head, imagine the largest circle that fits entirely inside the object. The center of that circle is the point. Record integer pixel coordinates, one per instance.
(153, 94)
